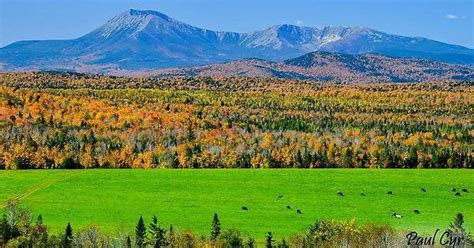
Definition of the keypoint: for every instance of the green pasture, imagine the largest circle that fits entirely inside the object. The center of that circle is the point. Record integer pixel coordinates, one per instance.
(114, 199)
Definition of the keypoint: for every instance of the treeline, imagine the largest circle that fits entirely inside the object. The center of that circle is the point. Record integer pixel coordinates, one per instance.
(328, 125)
(17, 229)
(72, 80)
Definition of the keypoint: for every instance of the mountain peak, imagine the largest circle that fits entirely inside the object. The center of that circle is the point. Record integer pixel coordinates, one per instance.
(285, 26)
(132, 22)
(136, 12)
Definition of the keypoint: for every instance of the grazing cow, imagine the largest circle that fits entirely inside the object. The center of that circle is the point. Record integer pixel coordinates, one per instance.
(416, 211)
(244, 208)
(453, 190)
(288, 207)
(339, 193)
(457, 194)
(465, 190)
(423, 190)
(398, 216)
(390, 193)
(299, 211)
(362, 193)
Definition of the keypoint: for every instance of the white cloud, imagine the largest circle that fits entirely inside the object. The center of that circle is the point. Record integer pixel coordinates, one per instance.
(451, 17)
(299, 22)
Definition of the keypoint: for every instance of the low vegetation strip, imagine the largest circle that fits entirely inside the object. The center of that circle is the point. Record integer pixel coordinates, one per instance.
(113, 199)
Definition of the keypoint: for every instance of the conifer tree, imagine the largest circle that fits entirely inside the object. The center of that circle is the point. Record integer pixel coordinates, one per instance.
(269, 240)
(39, 220)
(158, 234)
(128, 242)
(456, 229)
(68, 236)
(140, 233)
(216, 227)
(5, 232)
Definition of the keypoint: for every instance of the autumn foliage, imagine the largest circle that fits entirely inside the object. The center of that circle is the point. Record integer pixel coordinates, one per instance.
(76, 121)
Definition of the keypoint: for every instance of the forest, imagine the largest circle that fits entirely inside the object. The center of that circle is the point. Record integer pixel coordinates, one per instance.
(69, 120)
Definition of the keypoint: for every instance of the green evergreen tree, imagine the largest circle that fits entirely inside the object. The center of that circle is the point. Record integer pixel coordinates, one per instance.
(412, 160)
(5, 230)
(68, 236)
(158, 234)
(39, 220)
(140, 233)
(128, 242)
(216, 227)
(457, 229)
(269, 240)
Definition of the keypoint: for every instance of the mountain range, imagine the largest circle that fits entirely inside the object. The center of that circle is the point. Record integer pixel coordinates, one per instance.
(144, 40)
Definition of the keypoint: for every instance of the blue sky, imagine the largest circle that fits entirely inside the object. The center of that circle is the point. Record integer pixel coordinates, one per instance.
(444, 20)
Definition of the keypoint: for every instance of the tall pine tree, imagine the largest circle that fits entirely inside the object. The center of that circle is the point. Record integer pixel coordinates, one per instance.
(68, 236)
(140, 233)
(216, 227)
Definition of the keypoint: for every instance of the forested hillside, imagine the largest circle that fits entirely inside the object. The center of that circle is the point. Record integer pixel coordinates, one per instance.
(332, 67)
(76, 121)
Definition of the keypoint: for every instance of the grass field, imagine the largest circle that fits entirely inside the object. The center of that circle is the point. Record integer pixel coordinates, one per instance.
(113, 199)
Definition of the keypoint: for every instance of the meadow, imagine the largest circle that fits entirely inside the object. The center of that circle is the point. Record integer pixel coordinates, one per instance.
(113, 200)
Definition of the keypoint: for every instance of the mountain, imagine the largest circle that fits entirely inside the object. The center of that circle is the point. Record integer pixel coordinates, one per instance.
(335, 67)
(144, 40)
